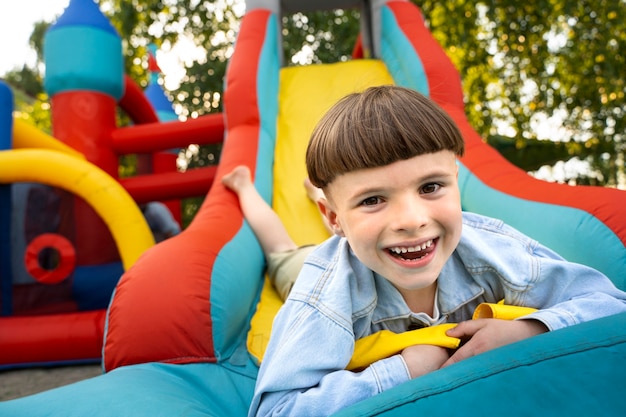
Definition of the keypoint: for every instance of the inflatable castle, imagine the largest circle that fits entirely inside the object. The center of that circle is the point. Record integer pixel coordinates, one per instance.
(70, 225)
(190, 314)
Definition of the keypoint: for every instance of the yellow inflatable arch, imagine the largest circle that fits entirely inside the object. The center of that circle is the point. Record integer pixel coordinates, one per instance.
(104, 194)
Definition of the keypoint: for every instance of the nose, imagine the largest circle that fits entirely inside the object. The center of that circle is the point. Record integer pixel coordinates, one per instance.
(409, 214)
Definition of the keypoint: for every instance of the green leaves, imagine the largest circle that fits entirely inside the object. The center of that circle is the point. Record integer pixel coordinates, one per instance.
(521, 62)
(542, 58)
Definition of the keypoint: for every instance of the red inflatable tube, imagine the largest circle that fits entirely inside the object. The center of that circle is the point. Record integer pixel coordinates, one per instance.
(154, 137)
(135, 103)
(68, 337)
(170, 185)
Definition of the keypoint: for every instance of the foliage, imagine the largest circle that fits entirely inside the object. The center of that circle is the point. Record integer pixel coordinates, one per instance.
(28, 80)
(319, 37)
(524, 66)
(31, 102)
(548, 59)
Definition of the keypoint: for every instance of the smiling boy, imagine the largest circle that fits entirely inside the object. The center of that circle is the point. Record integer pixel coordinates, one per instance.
(405, 256)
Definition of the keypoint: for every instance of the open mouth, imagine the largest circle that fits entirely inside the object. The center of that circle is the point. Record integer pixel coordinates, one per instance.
(413, 253)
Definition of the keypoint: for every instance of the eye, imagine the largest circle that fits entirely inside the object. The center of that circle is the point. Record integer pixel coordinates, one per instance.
(371, 201)
(430, 188)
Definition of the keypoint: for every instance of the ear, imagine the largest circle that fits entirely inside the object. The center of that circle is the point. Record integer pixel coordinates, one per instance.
(330, 215)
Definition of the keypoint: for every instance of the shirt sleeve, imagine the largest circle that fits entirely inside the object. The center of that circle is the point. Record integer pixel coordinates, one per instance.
(568, 293)
(303, 370)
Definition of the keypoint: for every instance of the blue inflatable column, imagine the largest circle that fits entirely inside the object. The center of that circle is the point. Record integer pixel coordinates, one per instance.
(6, 143)
(83, 52)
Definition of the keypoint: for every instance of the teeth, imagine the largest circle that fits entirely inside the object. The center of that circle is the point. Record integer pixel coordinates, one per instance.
(417, 248)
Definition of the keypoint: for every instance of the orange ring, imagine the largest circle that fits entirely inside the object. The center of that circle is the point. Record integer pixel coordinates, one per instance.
(67, 258)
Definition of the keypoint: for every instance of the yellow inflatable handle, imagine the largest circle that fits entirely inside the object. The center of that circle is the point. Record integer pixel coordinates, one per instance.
(500, 311)
(103, 193)
(384, 343)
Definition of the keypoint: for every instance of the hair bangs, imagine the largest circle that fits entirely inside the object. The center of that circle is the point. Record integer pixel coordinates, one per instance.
(376, 128)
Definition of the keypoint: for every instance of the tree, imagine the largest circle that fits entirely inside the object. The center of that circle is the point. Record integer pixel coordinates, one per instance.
(524, 66)
(522, 62)
(31, 102)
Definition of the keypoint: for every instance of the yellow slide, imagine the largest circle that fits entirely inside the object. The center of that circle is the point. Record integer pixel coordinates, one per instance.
(301, 104)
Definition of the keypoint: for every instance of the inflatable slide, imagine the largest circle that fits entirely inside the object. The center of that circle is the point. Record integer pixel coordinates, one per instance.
(178, 338)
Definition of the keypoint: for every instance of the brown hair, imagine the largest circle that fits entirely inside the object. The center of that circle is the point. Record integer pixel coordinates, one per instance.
(378, 127)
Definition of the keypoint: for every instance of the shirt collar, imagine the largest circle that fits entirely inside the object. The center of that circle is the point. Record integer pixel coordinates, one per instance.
(455, 288)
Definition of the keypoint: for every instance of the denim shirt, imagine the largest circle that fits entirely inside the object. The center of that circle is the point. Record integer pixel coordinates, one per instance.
(337, 300)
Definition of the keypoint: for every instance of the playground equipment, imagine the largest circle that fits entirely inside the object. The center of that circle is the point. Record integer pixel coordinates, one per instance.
(177, 336)
(70, 226)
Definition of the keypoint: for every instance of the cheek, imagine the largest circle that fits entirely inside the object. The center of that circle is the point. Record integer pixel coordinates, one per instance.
(452, 219)
(359, 231)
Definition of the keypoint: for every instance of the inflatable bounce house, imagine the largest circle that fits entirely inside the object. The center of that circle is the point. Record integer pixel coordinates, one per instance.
(186, 319)
(70, 225)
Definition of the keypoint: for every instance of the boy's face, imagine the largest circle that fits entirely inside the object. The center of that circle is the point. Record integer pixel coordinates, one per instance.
(402, 220)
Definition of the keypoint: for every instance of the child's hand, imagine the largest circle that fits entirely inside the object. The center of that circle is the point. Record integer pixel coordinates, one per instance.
(486, 334)
(422, 359)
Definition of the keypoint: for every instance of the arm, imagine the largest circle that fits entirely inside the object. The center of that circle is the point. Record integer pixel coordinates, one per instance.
(565, 293)
(265, 223)
(568, 293)
(303, 368)
(423, 359)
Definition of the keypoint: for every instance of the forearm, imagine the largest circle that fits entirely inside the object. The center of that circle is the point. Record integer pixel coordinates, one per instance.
(333, 392)
(579, 310)
(265, 223)
(567, 294)
(303, 370)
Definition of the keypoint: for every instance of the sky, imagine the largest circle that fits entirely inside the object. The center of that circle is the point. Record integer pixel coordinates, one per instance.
(16, 25)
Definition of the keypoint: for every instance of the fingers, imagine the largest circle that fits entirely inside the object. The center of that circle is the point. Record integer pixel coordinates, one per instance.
(461, 353)
(481, 335)
(472, 343)
(465, 329)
